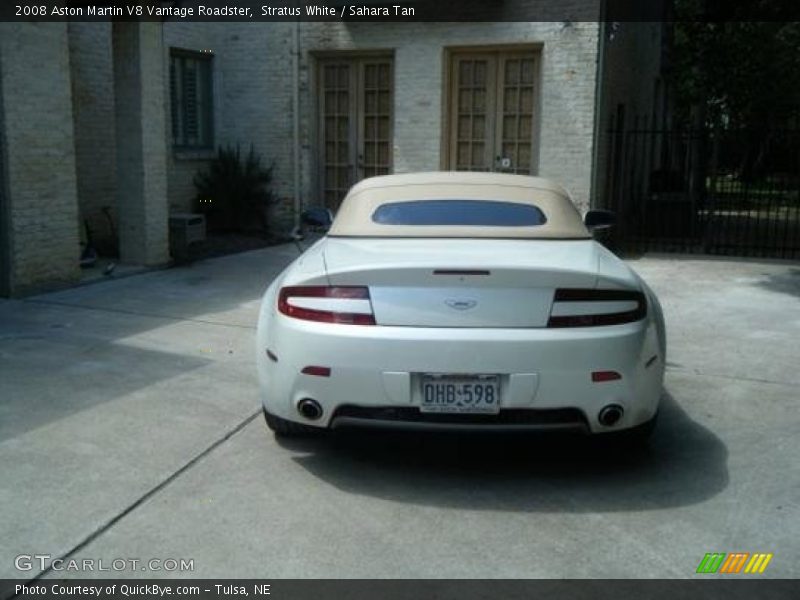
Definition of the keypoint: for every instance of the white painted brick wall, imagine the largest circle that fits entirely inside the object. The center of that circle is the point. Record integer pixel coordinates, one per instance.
(253, 80)
(40, 155)
(139, 84)
(252, 68)
(567, 88)
(183, 167)
(255, 90)
(95, 145)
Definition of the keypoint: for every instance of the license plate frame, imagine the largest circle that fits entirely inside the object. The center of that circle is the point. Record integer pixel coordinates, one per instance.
(448, 393)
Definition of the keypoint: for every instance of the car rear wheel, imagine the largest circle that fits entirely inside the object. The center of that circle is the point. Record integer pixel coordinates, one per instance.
(285, 428)
(636, 437)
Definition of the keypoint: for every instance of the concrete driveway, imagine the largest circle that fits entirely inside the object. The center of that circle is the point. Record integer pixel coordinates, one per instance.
(130, 428)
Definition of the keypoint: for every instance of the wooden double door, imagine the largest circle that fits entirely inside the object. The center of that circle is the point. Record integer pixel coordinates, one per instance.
(492, 111)
(490, 115)
(355, 106)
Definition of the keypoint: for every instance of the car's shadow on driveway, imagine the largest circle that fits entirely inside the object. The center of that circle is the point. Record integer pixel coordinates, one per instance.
(787, 282)
(684, 463)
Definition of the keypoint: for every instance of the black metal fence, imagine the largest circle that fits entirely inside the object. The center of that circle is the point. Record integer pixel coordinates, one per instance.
(706, 191)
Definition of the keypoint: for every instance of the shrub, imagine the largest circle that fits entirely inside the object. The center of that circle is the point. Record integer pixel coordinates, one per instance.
(234, 193)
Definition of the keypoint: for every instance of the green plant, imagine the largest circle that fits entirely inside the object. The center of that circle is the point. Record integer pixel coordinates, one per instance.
(234, 192)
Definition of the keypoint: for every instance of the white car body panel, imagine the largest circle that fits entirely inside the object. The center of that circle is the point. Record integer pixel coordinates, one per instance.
(487, 314)
(380, 365)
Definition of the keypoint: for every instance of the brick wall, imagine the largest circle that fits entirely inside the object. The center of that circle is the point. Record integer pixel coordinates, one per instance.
(254, 79)
(256, 91)
(182, 167)
(253, 104)
(252, 72)
(95, 146)
(40, 156)
(141, 151)
(566, 89)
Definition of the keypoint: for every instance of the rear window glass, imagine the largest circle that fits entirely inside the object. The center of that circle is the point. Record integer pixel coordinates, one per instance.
(488, 213)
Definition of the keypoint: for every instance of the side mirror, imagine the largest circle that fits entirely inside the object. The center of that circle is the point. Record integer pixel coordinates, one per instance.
(317, 217)
(599, 219)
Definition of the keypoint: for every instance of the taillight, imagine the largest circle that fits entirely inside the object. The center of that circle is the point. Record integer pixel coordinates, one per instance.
(601, 376)
(590, 308)
(329, 304)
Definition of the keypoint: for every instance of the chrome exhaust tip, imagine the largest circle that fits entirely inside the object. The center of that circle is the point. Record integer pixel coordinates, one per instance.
(310, 409)
(610, 415)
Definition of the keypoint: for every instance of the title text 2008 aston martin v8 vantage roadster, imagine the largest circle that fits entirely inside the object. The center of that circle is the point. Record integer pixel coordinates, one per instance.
(460, 300)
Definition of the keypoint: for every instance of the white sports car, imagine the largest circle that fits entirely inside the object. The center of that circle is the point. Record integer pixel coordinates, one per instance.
(460, 300)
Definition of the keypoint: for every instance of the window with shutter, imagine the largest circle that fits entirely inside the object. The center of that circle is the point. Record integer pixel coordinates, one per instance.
(190, 80)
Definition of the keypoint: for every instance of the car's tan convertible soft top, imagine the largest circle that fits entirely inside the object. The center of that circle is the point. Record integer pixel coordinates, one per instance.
(355, 216)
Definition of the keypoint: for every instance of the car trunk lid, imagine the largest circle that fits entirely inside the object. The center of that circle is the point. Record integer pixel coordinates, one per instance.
(461, 282)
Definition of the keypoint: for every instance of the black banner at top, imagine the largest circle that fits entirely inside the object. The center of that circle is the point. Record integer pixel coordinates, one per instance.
(394, 10)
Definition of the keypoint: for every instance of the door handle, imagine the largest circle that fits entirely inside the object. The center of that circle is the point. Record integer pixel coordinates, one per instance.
(502, 162)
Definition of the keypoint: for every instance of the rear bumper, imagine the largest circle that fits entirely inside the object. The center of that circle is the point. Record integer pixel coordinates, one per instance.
(508, 419)
(375, 373)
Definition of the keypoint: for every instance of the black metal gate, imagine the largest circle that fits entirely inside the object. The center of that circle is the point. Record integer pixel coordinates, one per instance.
(706, 191)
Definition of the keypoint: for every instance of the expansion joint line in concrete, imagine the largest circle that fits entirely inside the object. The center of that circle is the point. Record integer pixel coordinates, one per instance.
(134, 313)
(146, 496)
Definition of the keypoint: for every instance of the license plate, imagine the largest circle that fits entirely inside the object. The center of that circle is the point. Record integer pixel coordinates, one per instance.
(460, 393)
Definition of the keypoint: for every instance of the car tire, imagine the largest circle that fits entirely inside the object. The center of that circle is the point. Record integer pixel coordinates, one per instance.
(285, 428)
(635, 437)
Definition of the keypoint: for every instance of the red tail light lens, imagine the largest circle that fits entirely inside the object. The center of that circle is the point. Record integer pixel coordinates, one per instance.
(601, 376)
(349, 305)
(317, 371)
(592, 308)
